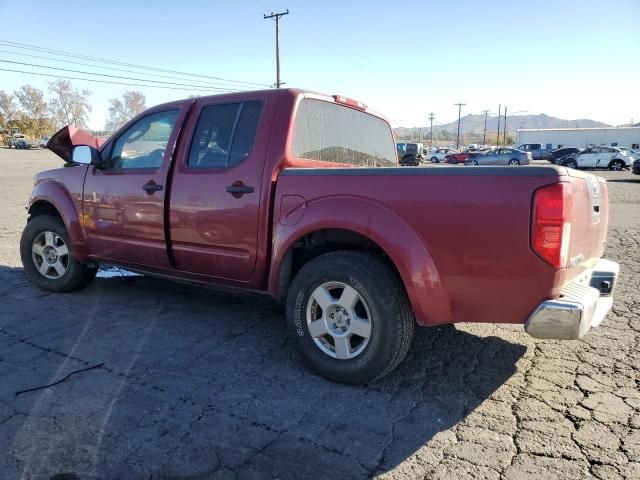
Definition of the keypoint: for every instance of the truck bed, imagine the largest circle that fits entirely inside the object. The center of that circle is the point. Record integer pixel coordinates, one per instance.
(473, 223)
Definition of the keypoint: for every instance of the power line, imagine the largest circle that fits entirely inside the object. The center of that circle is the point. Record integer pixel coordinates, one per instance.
(22, 54)
(105, 81)
(110, 76)
(276, 17)
(26, 46)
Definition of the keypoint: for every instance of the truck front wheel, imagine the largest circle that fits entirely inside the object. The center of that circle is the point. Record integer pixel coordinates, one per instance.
(349, 316)
(48, 258)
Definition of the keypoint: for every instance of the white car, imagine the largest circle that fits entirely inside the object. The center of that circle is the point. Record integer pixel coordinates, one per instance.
(632, 153)
(599, 157)
(437, 155)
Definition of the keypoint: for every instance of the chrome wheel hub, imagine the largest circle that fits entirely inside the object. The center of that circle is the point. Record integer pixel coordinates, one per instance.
(50, 255)
(338, 320)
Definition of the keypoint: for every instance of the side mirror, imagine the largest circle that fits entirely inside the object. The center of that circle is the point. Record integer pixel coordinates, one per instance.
(85, 155)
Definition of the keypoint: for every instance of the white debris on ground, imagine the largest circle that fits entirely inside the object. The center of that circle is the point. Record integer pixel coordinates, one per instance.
(115, 272)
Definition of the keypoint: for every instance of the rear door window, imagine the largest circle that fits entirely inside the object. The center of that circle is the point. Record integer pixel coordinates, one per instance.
(334, 133)
(224, 135)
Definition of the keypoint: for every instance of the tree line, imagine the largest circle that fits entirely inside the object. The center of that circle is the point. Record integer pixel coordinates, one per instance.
(35, 114)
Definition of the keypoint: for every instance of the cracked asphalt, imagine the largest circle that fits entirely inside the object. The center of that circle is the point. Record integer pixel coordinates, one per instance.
(204, 385)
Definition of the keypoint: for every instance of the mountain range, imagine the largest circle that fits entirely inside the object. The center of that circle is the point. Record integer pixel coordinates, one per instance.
(475, 124)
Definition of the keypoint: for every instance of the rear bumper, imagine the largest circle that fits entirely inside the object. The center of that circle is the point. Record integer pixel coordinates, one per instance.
(582, 304)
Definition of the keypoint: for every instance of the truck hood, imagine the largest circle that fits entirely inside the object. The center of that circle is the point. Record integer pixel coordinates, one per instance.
(63, 141)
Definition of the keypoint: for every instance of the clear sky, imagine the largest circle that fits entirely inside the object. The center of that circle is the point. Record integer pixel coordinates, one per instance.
(567, 58)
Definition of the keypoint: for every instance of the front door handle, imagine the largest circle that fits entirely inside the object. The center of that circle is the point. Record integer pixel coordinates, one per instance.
(238, 189)
(151, 187)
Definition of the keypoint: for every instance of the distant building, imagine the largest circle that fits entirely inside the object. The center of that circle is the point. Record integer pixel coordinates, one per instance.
(551, 138)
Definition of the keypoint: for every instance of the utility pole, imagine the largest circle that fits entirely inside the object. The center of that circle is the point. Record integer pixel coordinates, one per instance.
(504, 136)
(431, 117)
(484, 137)
(276, 17)
(460, 105)
(499, 115)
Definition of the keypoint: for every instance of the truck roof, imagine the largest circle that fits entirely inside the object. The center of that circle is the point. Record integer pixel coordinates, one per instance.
(269, 93)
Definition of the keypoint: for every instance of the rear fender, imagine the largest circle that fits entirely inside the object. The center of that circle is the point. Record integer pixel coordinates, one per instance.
(400, 242)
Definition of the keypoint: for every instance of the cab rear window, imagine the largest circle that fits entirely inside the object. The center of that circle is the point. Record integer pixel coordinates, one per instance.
(334, 133)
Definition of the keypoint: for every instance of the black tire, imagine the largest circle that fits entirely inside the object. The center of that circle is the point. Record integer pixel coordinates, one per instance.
(390, 316)
(514, 162)
(616, 165)
(435, 160)
(76, 276)
(571, 163)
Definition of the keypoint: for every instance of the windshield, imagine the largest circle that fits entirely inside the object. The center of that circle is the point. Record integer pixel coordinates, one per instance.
(334, 133)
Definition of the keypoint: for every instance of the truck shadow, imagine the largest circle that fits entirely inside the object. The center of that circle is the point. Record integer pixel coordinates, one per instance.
(196, 382)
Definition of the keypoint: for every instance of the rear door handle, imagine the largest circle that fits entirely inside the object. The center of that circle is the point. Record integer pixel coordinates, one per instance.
(151, 187)
(239, 189)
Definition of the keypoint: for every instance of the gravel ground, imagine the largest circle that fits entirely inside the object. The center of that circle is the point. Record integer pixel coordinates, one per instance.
(198, 384)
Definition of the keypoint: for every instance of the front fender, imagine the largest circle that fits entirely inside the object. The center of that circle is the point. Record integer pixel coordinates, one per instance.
(57, 195)
(400, 242)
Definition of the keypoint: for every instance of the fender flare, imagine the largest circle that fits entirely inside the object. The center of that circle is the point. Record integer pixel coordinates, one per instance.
(406, 249)
(60, 198)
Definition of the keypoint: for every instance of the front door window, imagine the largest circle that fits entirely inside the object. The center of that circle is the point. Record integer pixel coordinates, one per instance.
(144, 143)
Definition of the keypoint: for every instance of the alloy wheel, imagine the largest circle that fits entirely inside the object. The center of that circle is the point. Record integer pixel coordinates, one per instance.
(50, 255)
(338, 320)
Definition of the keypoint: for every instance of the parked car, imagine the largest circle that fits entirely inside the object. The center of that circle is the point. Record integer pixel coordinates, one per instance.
(438, 155)
(559, 153)
(464, 156)
(501, 156)
(636, 167)
(457, 157)
(263, 197)
(26, 144)
(42, 143)
(631, 153)
(413, 155)
(536, 150)
(14, 140)
(599, 157)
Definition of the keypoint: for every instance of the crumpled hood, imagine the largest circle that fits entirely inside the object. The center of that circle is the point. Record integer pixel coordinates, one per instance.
(63, 141)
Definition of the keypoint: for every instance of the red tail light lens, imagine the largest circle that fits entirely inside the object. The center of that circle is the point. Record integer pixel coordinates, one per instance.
(551, 229)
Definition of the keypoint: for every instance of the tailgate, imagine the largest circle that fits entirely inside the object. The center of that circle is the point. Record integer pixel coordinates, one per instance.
(589, 220)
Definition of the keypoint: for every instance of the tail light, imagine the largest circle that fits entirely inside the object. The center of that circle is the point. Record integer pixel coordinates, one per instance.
(551, 229)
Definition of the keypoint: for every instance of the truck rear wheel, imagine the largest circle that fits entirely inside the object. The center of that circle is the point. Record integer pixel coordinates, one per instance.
(48, 258)
(349, 316)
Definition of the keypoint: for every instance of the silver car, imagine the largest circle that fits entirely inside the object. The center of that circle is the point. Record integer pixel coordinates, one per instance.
(501, 156)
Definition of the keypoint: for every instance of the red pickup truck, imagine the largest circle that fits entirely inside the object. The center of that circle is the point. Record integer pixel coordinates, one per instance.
(299, 195)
